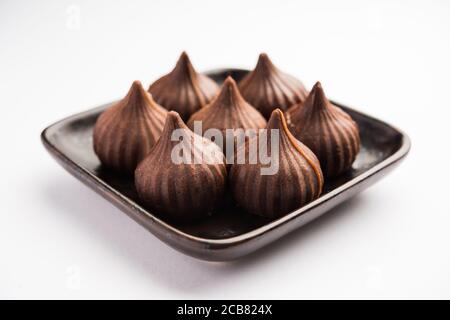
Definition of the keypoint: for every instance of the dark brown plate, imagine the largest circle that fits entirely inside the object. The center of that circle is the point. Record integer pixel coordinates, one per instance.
(230, 233)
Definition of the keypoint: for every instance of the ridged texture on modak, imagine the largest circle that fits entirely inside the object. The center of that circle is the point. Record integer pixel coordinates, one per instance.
(183, 89)
(327, 130)
(183, 180)
(267, 88)
(125, 132)
(297, 181)
(228, 111)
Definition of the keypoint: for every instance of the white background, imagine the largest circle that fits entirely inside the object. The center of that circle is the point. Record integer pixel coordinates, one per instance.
(58, 239)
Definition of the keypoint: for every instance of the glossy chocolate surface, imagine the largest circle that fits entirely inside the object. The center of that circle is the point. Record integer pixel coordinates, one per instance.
(125, 133)
(296, 181)
(178, 190)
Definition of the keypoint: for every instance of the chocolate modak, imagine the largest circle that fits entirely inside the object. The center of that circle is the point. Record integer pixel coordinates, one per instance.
(294, 177)
(267, 88)
(183, 177)
(228, 110)
(327, 130)
(183, 89)
(126, 131)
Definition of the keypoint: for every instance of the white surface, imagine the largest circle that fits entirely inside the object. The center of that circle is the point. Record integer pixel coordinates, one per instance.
(58, 239)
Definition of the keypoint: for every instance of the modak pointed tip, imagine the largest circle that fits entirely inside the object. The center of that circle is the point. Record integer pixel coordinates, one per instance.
(277, 120)
(136, 83)
(265, 63)
(139, 97)
(229, 81)
(136, 87)
(317, 86)
(173, 116)
(184, 62)
(229, 87)
(278, 112)
(317, 98)
(174, 121)
(184, 55)
(264, 57)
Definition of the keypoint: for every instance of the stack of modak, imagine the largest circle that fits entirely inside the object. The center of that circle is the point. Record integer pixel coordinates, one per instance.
(183, 175)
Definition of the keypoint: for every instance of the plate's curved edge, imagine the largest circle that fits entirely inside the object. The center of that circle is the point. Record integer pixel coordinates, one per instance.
(212, 249)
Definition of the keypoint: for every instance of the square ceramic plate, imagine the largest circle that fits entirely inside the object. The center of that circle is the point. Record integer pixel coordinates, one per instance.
(230, 233)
